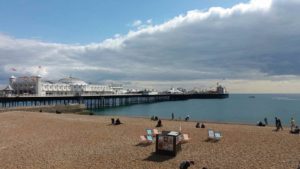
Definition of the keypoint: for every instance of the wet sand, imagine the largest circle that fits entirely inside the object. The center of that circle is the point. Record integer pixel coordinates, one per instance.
(47, 140)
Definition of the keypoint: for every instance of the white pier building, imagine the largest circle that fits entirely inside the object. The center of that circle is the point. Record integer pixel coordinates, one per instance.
(35, 85)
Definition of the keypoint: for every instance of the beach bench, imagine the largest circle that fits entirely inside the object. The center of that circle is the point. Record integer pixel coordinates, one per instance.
(214, 135)
(146, 139)
(211, 134)
(218, 135)
(149, 132)
(185, 138)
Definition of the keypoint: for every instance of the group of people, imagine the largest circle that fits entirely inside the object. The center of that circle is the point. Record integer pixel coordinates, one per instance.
(187, 118)
(200, 126)
(154, 118)
(294, 129)
(259, 123)
(115, 122)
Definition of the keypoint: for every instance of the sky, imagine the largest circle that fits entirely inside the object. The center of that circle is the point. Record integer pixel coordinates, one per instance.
(248, 46)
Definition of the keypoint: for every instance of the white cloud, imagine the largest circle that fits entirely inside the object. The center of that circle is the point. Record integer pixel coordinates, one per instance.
(149, 21)
(136, 23)
(255, 43)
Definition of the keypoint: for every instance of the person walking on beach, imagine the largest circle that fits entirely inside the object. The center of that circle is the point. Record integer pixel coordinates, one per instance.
(279, 124)
(293, 124)
(172, 116)
(266, 121)
(276, 124)
(187, 118)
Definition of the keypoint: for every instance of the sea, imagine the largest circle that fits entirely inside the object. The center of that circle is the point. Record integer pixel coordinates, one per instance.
(237, 108)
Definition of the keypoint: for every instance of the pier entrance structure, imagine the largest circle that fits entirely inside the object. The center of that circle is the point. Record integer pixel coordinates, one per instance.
(69, 86)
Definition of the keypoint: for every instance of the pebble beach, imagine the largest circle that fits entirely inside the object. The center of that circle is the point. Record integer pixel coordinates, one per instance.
(48, 140)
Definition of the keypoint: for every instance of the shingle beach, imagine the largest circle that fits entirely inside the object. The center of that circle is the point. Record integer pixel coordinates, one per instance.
(47, 140)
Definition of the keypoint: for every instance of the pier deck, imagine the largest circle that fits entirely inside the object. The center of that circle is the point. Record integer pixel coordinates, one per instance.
(100, 101)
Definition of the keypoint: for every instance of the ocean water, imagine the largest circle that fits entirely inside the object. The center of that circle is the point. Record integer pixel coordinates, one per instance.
(238, 108)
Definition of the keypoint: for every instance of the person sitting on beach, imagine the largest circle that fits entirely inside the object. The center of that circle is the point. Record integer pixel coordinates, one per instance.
(159, 124)
(296, 130)
(266, 121)
(186, 164)
(202, 125)
(259, 123)
(198, 125)
(155, 118)
(152, 118)
(112, 121)
(118, 121)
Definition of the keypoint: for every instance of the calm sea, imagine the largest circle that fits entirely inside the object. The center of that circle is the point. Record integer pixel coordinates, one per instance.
(238, 108)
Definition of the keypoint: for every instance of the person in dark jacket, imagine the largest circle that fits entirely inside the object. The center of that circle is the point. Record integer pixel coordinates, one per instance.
(186, 164)
(198, 125)
(266, 121)
(279, 124)
(112, 121)
(159, 124)
(118, 122)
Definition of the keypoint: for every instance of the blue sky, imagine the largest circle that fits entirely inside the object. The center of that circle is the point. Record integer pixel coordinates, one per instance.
(83, 22)
(249, 46)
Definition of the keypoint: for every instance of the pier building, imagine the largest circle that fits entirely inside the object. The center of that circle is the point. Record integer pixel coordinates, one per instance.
(69, 86)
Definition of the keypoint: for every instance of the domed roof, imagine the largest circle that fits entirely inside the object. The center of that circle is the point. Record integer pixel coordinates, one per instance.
(72, 81)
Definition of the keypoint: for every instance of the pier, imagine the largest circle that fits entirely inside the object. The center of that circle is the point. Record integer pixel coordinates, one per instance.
(91, 102)
(99, 101)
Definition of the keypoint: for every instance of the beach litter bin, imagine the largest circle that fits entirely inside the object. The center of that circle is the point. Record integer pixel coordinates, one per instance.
(168, 143)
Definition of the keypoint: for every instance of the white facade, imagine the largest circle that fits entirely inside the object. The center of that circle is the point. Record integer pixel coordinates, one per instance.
(34, 85)
(174, 91)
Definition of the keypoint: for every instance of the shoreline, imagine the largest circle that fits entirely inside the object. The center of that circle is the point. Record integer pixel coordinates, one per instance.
(195, 121)
(73, 109)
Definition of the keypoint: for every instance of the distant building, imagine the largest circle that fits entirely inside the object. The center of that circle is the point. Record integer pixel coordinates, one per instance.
(7, 91)
(35, 85)
(174, 91)
(221, 89)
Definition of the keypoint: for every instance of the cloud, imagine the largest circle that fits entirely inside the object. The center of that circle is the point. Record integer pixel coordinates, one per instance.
(136, 23)
(139, 25)
(249, 42)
